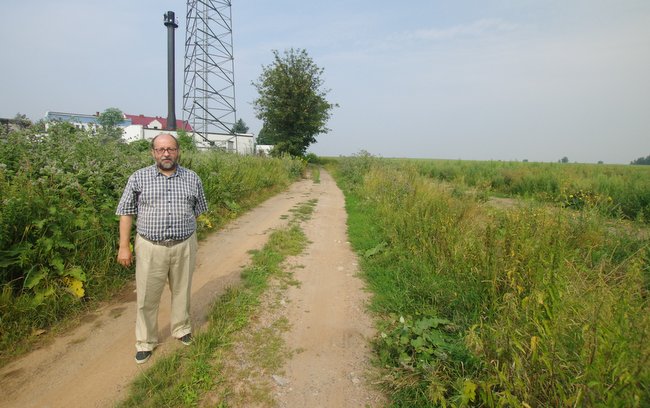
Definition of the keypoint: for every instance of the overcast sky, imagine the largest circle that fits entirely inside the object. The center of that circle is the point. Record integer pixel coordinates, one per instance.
(471, 80)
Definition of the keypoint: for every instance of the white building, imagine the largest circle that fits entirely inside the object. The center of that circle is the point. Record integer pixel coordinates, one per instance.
(140, 127)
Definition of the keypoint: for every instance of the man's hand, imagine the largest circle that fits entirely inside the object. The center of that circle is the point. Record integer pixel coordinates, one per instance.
(124, 256)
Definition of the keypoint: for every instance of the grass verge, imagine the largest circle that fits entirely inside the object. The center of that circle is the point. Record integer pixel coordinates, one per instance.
(315, 173)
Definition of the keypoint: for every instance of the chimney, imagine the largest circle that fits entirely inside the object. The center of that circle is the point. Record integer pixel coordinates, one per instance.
(170, 23)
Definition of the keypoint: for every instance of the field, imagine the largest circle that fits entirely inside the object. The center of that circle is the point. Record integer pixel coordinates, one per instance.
(538, 297)
(493, 283)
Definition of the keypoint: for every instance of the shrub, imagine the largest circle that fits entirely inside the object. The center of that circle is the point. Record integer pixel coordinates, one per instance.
(58, 228)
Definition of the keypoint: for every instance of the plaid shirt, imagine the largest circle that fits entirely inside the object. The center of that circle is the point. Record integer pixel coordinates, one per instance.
(166, 207)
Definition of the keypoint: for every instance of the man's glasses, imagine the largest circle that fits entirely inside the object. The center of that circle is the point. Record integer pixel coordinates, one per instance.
(166, 149)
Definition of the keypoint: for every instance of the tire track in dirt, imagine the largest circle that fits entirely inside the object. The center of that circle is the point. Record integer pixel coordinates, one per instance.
(330, 328)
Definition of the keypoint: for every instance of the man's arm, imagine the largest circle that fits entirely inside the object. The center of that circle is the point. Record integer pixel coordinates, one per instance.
(124, 255)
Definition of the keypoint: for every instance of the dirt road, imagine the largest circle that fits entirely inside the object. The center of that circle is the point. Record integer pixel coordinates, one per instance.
(92, 365)
(329, 325)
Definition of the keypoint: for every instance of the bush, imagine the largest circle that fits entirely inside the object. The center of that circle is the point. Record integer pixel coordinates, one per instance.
(58, 228)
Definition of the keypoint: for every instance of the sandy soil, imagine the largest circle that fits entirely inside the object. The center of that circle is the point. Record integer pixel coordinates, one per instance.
(92, 365)
(329, 327)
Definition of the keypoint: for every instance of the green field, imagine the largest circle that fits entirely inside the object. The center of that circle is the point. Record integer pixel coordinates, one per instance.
(505, 284)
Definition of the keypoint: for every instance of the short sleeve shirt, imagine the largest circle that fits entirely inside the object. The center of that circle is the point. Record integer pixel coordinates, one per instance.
(165, 207)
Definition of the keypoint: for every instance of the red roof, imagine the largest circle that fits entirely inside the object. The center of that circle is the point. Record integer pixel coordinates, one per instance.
(145, 121)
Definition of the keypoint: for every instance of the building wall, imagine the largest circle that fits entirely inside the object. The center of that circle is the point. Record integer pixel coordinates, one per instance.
(155, 124)
(263, 149)
(80, 121)
(133, 133)
(240, 143)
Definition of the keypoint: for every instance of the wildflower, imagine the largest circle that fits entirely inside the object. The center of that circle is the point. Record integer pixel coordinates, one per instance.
(75, 286)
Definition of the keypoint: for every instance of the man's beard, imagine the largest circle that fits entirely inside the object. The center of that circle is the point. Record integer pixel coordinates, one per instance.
(167, 164)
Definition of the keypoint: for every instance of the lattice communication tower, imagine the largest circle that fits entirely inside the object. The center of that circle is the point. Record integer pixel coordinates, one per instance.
(209, 80)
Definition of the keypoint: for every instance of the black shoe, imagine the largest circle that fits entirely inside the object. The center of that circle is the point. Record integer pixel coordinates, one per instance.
(187, 339)
(141, 357)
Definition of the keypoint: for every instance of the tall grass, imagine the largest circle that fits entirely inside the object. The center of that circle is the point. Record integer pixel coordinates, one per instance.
(58, 229)
(616, 190)
(235, 183)
(531, 306)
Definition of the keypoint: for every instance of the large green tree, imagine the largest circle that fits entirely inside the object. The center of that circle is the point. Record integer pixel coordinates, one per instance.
(292, 102)
(110, 120)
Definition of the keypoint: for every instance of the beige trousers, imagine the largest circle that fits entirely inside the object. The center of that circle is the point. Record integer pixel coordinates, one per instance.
(155, 265)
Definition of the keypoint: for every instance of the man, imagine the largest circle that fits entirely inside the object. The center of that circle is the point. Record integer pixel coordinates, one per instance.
(166, 199)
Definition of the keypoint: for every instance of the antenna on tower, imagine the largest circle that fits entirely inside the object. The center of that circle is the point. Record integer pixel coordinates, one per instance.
(209, 80)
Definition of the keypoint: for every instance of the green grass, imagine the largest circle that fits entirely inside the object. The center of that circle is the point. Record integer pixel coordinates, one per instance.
(538, 304)
(315, 173)
(614, 190)
(189, 375)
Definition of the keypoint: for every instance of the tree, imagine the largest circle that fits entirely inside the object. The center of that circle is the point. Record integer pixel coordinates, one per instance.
(291, 102)
(186, 142)
(564, 160)
(641, 160)
(265, 137)
(22, 121)
(239, 127)
(141, 145)
(109, 120)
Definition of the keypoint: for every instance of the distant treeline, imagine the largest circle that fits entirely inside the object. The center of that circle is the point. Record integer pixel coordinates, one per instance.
(641, 160)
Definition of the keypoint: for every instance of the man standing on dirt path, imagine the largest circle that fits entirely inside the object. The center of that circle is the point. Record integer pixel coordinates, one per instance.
(166, 199)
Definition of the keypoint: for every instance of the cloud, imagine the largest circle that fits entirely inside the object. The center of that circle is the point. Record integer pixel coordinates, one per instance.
(478, 28)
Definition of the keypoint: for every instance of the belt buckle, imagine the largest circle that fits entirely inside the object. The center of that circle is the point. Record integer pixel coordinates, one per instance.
(168, 242)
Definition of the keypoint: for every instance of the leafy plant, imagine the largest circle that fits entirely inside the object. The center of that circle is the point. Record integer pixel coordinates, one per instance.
(584, 199)
(416, 342)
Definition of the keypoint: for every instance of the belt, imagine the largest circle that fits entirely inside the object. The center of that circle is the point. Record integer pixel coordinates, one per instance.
(166, 242)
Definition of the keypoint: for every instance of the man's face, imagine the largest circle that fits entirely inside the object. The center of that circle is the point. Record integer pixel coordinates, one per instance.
(165, 152)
